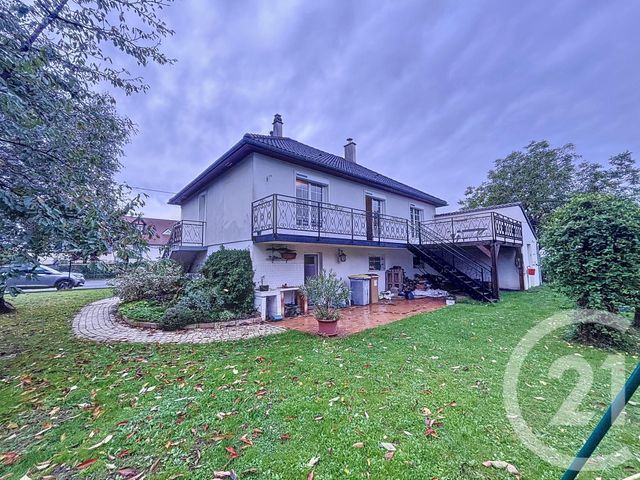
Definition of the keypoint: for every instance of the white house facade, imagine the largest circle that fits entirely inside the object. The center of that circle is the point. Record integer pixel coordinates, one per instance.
(299, 210)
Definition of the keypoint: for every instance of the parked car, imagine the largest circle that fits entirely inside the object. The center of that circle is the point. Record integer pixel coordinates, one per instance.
(40, 276)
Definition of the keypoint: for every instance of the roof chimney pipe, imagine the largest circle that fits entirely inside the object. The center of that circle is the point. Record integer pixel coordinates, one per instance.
(350, 151)
(277, 126)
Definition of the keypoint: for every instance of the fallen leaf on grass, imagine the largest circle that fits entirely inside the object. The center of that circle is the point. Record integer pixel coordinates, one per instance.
(127, 472)
(311, 475)
(284, 437)
(9, 458)
(389, 447)
(232, 452)
(225, 474)
(247, 442)
(389, 455)
(86, 463)
(107, 439)
(47, 427)
(358, 445)
(313, 462)
(499, 464)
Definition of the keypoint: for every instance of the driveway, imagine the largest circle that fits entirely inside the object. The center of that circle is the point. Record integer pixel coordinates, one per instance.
(88, 285)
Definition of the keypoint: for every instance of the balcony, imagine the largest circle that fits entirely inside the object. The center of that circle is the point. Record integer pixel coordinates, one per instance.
(284, 218)
(477, 228)
(187, 233)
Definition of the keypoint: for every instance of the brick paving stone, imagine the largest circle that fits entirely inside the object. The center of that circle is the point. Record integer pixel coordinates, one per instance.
(98, 322)
(355, 319)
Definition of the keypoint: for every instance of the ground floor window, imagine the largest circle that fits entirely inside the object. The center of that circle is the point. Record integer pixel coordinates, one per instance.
(376, 262)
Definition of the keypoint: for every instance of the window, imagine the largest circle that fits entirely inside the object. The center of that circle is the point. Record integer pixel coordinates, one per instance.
(202, 207)
(308, 210)
(376, 263)
(416, 215)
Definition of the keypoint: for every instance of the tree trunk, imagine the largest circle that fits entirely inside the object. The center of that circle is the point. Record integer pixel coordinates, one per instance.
(6, 307)
(636, 317)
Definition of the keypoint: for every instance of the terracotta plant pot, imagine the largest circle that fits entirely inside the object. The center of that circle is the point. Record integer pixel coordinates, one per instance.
(328, 328)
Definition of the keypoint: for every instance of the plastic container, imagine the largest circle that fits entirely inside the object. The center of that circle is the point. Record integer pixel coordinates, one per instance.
(360, 289)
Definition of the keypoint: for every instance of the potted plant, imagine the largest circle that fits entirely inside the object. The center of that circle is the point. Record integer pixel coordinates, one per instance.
(327, 293)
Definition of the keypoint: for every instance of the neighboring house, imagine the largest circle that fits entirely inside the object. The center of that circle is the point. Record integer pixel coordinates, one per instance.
(156, 231)
(299, 210)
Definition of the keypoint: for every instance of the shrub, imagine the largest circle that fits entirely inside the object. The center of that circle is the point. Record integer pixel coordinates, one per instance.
(177, 317)
(202, 299)
(143, 310)
(591, 253)
(230, 273)
(160, 281)
(327, 293)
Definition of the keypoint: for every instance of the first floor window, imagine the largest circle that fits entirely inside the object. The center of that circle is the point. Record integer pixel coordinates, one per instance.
(376, 263)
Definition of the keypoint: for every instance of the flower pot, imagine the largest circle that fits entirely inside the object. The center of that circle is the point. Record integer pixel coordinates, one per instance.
(288, 255)
(328, 327)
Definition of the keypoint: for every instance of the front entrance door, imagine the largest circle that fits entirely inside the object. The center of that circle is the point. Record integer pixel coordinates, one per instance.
(311, 265)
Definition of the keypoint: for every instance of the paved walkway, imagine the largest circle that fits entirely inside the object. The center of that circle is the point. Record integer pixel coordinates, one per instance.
(97, 321)
(358, 318)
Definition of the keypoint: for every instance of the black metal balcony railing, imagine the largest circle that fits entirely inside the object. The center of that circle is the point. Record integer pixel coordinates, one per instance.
(187, 233)
(477, 227)
(281, 214)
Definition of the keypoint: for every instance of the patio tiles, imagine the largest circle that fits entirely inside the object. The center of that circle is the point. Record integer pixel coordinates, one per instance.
(358, 318)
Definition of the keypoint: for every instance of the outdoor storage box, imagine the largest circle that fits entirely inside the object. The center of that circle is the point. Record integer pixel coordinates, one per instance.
(373, 287)
(360, 289)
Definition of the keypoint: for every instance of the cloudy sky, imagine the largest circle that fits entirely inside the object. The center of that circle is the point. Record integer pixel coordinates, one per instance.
(432, 91)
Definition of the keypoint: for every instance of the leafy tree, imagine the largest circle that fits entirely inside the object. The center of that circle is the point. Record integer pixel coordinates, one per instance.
(541, 177)
(621, 178)
(592, 251)
(60, 139)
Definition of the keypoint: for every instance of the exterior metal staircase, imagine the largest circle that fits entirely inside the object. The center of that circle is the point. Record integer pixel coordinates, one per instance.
(451, 261)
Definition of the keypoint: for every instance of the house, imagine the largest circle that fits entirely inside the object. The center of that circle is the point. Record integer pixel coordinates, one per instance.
(299, 210)
(157, 233)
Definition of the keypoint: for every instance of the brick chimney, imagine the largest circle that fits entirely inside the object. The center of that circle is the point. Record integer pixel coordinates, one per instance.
(350, 151)
(277, 126)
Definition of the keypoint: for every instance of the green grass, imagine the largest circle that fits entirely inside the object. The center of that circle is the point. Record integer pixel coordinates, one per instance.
(174, 409)
(143, 310)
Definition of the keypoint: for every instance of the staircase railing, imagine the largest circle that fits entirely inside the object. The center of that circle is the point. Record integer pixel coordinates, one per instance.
(454, 256)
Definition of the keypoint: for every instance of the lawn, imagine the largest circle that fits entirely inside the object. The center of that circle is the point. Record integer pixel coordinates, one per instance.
(266, 407)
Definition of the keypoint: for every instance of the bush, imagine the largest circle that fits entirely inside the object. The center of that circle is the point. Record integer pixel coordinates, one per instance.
(177, 317)
(230, 273)
(143, 310)
(591, 253)
(202, 299)
(327, 293)
(160, 281)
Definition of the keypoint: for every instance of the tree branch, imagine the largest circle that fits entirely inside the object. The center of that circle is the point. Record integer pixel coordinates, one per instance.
(46, 21)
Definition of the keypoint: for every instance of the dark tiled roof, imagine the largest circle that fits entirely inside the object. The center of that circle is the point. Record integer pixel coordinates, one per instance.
(311, 157)
(159, 225)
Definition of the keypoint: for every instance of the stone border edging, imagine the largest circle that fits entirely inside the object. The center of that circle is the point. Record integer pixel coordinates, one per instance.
(195, 326)
(98, 322)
